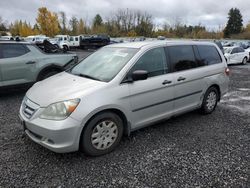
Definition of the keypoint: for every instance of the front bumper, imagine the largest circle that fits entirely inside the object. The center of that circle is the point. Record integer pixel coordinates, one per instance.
(58, 136)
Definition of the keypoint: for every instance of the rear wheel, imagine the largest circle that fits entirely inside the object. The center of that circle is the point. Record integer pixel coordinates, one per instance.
(210, 100)
(244, 61)
(102, 134)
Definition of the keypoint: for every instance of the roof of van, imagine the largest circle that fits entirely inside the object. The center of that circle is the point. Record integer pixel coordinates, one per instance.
(13, 42)
(157, 43)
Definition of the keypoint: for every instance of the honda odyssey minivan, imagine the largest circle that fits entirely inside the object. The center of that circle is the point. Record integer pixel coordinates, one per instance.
(121, 88)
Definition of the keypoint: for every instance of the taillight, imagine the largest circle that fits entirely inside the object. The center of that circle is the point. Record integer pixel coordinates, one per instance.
(227, 71)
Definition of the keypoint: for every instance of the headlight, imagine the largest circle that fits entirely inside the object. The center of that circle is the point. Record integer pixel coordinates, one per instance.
(60, 110)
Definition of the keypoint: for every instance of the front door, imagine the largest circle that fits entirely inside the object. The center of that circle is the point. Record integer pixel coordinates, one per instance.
(151, 99)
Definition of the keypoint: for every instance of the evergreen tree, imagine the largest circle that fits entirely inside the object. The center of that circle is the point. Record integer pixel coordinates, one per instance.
(234, 23)
(97, 21)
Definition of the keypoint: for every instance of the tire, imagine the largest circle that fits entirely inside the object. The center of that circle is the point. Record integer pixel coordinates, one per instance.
(210, 101)
(102, 134)
(244, 61)
(47, 74)
(65, 48)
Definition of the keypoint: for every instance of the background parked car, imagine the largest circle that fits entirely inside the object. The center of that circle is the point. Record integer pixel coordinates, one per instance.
(248, 50)
(36, 38)
(6, 38)
(236, 55)
(94, 41)
(23, 63)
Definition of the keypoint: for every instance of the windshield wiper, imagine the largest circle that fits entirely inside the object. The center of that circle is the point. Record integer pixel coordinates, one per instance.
(88, 76)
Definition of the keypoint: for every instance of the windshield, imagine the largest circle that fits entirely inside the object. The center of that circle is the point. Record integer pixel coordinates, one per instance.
(104, 64)
(58, 38)
(228, 50)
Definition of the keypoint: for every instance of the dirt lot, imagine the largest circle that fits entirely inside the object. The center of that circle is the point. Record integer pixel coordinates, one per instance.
(188, 151)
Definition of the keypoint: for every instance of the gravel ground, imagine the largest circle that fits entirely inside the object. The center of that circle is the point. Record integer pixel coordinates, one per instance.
(188, 151)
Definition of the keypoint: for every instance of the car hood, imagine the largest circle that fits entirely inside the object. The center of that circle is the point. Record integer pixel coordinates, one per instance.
(227, 54)
(61, 87)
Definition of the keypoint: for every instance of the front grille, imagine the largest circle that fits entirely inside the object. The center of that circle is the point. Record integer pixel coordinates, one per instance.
(29, 108)
(28, 111)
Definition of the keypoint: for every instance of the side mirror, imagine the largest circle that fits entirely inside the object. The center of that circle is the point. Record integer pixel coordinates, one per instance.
(139, 75)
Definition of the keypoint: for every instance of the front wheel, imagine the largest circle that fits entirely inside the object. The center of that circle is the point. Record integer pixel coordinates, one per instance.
(210, 101)
(244, 61)
(102, 134)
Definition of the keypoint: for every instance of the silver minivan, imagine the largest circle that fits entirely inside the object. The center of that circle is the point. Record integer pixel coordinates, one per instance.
(121, 88)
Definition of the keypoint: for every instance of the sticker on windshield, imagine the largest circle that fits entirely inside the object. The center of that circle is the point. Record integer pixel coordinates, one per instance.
(121, 54)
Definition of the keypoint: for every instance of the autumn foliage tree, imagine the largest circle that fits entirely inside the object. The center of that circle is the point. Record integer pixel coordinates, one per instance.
(81, 27)
(124, 22)
(47, 22)
(22, 28)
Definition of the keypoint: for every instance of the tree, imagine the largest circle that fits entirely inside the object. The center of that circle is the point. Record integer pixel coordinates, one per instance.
(248, 27)
(234, 23)
(97, 21)
(48, 22)
(73, 22)
(63, 22)
(25, 29)
(81, 27)
(15, 28)
(2, 25)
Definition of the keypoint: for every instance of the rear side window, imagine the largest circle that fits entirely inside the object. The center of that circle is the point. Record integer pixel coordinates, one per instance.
(240, 50)
(234, 51)
(182, 57)
(209, 55)
(12, 50)
(153, 61)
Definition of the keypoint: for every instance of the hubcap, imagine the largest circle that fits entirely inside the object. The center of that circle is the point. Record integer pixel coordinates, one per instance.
(211, 100)
(104, 135)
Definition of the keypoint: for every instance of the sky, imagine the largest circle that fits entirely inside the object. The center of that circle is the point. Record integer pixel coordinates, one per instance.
(209, 13)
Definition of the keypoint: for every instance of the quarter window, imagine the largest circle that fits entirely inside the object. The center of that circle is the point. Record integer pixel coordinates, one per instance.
(182, 57)
(153, 61)
(13, 50)
(209, 54)
(240, 50)
(234, 51)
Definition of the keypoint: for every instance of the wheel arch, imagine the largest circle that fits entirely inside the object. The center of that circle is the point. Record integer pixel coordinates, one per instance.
(218, 89)
(126, 123)
(47, 69)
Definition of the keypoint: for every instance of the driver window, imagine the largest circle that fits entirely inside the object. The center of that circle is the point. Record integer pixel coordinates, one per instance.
(153, 61)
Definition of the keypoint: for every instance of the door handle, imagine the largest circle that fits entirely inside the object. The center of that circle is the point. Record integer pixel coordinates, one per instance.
(30, 62)
(181, 78)
(166, 82)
